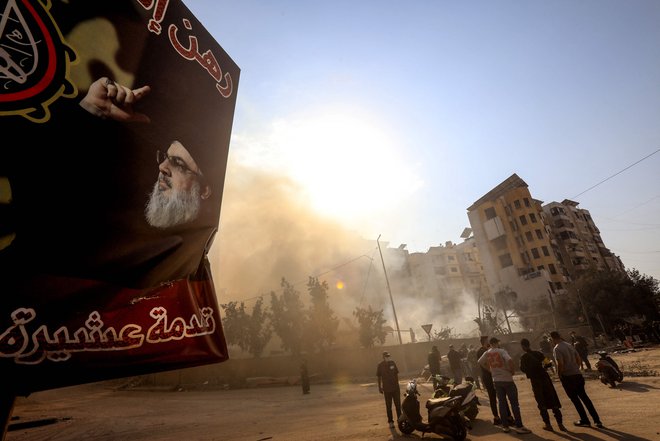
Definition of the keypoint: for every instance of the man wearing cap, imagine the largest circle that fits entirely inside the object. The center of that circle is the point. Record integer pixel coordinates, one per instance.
(388, 385)
(500, 364)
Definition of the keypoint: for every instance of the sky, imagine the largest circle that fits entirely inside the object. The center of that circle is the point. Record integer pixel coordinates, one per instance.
(388, 119)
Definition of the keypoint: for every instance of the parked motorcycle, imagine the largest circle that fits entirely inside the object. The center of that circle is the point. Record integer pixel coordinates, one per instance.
(444, 417)
(608, 369)
(465, 390)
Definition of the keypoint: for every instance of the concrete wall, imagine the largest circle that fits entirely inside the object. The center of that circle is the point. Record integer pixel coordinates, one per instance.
(341, 365)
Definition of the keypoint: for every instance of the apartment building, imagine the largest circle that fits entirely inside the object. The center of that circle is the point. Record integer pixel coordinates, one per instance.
(448, 272)
(579, 243)
(515, 243)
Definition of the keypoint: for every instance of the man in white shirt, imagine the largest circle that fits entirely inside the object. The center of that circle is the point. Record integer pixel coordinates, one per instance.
(500, 364)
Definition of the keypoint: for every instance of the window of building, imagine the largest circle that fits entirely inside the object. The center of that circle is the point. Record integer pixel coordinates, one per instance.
(516, 203)
(528, 235)
(540, 268)
(505, 260)
(552, 268)
(513, 226)
(507, 210)
(453, 269)
(439, 270)
(532, 216)
(490, 213)
(558, 285)
(535, 253)
(524, 256)
(499, 243)
(450, 258)
(523, 219)
(545, 250)
(526, 202)
(519, 241)
(539, 234)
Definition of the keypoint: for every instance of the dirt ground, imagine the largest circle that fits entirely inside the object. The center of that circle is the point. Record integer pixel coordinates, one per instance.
(332, 412)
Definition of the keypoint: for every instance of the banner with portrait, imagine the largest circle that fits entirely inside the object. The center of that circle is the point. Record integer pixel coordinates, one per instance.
(116, 117)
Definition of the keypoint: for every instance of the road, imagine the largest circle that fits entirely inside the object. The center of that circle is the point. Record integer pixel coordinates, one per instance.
(332, 412)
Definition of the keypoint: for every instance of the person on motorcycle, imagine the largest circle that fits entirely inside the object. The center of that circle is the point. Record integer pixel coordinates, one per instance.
(531, 363)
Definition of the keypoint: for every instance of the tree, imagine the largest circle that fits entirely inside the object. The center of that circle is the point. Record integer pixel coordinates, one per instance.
(288, 317)
(445, 333)
(250, 332)
(321, 324)
(371, 326)
(488, 324)
(259, 329)
(614, 296)
(235, 323)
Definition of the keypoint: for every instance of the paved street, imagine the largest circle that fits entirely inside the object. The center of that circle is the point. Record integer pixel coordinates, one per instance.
(332, 412)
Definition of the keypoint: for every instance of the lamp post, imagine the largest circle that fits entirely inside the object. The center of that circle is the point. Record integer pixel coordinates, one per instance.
(396, 320)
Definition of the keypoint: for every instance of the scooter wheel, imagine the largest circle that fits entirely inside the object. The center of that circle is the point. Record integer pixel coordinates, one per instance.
(472, 413)
(405, 427)
(460, 432)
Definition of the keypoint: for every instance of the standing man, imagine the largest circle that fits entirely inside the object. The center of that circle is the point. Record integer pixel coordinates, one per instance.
(455, 364)
(434, 365)
(473, 366)
(304, 377)
(531, 363)
(487, 380)
(388, 385)
(500, 364)
(568, 368)
(582, 347)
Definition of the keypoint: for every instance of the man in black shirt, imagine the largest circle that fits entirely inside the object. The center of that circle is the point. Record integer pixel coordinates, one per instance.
(388, 385)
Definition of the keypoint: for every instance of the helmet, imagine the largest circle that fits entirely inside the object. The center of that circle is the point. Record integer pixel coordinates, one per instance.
(411, 388)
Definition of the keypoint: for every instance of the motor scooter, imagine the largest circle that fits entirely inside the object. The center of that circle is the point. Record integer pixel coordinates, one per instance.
(444, 417)
(608, 369)
(465, 390)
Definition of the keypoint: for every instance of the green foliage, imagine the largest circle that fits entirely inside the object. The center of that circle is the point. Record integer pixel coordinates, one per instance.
(250, 332)
(321, 324)
(288, 317)
(371, 326)
(615, 296)
(259, 330)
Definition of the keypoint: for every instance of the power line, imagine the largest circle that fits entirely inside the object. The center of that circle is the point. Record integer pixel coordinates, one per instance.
(615, 174)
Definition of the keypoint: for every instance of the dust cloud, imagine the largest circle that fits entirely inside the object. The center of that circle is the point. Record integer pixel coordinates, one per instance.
(269, 231)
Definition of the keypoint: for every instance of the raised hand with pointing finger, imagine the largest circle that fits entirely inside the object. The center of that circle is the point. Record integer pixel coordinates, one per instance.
(110, 100)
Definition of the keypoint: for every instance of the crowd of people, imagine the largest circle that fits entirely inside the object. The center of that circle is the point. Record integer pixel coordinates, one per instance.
(492, 367)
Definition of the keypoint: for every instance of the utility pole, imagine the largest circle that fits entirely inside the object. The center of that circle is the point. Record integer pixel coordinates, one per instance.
(586, 316)
(396, 320)
(552, 309)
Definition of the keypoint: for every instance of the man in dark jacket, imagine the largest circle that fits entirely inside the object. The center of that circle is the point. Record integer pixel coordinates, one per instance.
(531, 363)
(433, 359)
(455, 364)
(388, 385)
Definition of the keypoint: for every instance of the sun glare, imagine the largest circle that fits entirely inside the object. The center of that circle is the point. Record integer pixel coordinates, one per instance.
(349, 167)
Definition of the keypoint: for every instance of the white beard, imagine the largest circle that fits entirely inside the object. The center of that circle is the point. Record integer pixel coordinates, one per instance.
(168, 211)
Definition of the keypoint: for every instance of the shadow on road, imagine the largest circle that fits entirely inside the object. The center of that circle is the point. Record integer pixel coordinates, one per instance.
(634, 386)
